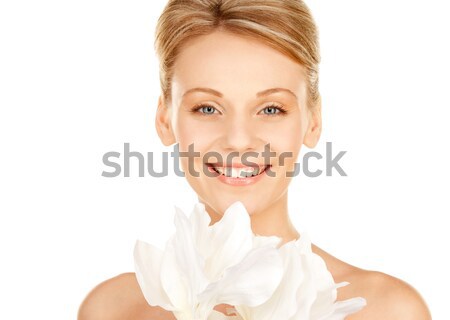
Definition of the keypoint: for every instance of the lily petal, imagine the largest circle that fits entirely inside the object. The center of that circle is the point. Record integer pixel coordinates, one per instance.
(190, 262)
(230, 239)
(346, 308)
(251, 282)
(200, 221)
(282, 304)
(148, 260)
(174, 283)
(262, 241)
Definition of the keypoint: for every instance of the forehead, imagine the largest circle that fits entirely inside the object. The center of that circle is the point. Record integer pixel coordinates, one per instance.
(234, 64)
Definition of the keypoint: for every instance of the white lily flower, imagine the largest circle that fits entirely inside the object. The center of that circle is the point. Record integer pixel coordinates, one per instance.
(203, 266)
(306, 292)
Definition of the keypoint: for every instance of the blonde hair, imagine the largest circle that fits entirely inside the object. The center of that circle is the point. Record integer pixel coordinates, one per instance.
(285, 25)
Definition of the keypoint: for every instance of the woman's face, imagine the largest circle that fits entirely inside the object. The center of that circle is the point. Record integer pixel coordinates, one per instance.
(232, 99)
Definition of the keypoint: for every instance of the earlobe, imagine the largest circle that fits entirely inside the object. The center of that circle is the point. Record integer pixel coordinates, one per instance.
(314, 130)
(163, 124)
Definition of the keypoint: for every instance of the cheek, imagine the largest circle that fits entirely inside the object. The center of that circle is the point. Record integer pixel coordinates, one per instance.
(193, 136)
(190, 132)
(286, 142)
(286, 137)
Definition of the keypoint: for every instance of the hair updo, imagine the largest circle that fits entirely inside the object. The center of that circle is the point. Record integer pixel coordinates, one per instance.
(285, 25)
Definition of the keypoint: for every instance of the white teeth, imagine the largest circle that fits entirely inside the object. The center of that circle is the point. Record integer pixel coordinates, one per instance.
(238, 172)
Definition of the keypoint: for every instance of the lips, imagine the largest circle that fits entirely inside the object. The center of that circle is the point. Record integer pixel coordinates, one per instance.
(238, 170)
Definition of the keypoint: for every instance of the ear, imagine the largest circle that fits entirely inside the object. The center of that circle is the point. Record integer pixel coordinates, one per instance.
(163, 123)
(314, 130)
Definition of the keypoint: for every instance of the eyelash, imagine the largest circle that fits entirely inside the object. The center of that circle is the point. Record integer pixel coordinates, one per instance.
(281, 109)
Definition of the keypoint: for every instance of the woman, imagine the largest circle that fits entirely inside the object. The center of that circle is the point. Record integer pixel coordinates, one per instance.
(240, 78)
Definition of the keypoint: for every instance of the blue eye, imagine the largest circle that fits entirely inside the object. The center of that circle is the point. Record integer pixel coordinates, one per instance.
(205, 109)
(270, 110)
(273, 110)
(208, 109)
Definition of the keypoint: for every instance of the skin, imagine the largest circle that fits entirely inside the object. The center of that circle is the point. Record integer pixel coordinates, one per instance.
(238, 68)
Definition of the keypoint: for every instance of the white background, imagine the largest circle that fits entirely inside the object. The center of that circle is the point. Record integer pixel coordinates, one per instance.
(80, 78)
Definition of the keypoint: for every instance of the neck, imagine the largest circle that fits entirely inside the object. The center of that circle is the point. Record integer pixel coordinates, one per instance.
(275, 221)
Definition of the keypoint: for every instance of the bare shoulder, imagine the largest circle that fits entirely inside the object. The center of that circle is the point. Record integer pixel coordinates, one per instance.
(118, 298)
(387, 297)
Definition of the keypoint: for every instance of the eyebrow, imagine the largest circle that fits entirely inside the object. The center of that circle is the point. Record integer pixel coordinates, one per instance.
(259, 94)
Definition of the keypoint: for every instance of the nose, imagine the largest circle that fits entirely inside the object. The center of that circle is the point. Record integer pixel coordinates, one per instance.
(240, 134)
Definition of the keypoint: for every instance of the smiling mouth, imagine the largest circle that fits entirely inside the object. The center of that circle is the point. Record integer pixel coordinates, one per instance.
(238, 171)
